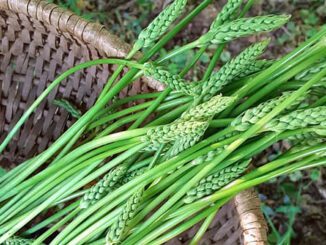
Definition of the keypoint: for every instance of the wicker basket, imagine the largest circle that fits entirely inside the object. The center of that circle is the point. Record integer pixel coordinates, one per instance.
(40, 40)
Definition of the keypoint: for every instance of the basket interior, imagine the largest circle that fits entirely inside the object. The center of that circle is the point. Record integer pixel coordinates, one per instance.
(32, 55)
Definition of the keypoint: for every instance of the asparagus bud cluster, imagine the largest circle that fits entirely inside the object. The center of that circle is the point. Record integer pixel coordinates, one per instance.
(174, 131)
(241, 28)
(15, 240)
(299, 119)
(308, 138)
(255, 67)
(173, 81)
(231, 70)
(216, 181)
(226, 13)
(160, 24)
(207, 157)
(129, 211)
(105, 185)
(205, 111)
(253, 115)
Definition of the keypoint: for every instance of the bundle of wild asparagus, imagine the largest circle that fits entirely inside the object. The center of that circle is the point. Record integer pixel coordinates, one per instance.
(156, 179)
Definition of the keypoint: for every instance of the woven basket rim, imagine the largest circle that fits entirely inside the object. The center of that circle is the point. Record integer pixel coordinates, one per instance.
(247, 204)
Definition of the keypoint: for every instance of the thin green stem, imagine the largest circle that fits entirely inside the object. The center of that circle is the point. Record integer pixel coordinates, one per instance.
(70, 144)
(168, 117)
(51, 219)
(220, 123)
(213, 62)
(283, 78)
(203, 228)
(115, 75)
(55, 227)
(31, 214)
(171, 223)
(150, 109)
(319, 102)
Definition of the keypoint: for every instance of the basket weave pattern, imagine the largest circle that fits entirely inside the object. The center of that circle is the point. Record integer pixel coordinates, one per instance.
(34, 53)
(39, 41)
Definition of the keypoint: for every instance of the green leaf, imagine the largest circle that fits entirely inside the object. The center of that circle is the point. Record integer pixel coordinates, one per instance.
(295, 176)
(311, 31)
(288, 209)
(309, 17)
(315, 174)
(204, 58)
(290, 189)
(225, 56)
(272, 238)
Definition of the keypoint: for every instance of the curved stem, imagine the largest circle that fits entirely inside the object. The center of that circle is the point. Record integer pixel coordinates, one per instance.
(116, 73)
(58, 80)
(150, 109)
(178, 51)
(213, 61)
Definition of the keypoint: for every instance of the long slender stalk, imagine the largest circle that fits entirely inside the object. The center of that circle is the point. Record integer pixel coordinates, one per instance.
(30, 215)
(203, 228)
(51, 219)
(13, 187)
(73, 155)
(55, 227)
(116, 73)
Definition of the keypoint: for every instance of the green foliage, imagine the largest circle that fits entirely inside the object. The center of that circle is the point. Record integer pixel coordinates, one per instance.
(307, 22)
(290, 208)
